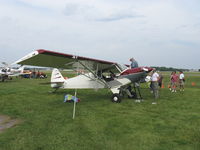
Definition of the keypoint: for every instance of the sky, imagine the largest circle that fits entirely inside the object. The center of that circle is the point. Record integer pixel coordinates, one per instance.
(154, 32)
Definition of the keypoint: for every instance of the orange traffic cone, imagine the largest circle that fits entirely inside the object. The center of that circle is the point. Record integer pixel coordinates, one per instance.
(162, 86)
(193, 83)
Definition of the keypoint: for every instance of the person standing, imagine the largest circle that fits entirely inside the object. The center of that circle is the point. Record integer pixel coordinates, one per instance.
(181, 80)
(154, 85)
(134, 63)
(170, 82)
(174, 79)
(160, 81)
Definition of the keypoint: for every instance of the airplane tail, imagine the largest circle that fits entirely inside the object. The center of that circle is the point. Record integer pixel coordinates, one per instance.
(57, 80)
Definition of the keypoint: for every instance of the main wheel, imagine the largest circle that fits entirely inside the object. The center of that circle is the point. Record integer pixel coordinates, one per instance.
(116, 98)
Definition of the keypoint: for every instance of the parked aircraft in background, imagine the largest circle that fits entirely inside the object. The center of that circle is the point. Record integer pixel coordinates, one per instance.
(100, 73)
(8, 72)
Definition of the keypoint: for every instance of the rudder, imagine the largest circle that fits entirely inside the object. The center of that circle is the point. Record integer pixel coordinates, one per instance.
(57, 79)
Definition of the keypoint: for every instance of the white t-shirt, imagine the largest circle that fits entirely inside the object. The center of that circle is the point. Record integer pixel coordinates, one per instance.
(155, 76)
(181, 76)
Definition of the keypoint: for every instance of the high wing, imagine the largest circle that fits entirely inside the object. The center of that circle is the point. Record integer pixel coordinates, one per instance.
(48, 58)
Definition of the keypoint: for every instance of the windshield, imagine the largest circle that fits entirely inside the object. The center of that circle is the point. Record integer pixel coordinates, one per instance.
(122, 67)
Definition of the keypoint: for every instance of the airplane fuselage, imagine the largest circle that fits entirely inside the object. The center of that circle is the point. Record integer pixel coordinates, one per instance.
(89, 81)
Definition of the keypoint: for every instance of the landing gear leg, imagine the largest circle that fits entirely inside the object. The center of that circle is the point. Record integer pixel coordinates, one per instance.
(130, 93)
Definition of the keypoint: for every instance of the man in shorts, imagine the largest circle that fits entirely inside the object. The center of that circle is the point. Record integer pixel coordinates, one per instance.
(154, 85)
(181, 80)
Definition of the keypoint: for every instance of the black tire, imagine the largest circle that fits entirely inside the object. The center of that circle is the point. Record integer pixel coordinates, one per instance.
(116, 98)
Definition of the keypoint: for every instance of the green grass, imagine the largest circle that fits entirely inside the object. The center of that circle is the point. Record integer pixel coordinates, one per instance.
(172, 124)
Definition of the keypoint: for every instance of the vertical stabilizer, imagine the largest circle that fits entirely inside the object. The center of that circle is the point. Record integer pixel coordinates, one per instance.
(56, 76)
(57, 79)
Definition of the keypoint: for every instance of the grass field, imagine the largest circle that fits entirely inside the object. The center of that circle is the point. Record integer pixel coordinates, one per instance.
(46, 122)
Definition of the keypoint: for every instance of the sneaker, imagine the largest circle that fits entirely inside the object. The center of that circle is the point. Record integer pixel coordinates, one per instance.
(137, 101)
(154, 103)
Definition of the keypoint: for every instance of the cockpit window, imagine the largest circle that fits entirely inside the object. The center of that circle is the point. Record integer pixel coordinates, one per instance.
(122, 66)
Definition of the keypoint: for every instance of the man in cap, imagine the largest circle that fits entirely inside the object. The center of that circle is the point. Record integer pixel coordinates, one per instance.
(134, 63)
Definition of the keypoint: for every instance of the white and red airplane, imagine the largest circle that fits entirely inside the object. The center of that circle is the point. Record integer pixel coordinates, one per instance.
(100, 73)
(7, 72)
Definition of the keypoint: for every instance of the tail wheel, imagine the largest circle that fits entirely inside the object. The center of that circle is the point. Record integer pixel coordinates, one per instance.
(116, 98)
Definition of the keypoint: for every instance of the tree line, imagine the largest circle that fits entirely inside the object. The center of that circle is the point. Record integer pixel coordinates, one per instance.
(169, 69)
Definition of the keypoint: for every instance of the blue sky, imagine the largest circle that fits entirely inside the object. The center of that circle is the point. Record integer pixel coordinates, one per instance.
(154, 32)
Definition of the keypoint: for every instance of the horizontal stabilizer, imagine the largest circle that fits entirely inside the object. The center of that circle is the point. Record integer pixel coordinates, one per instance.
(45, 83)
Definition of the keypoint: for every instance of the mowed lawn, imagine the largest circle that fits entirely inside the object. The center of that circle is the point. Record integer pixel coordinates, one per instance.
(47, 124)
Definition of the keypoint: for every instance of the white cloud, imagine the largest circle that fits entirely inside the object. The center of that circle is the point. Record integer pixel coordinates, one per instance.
(95, 13)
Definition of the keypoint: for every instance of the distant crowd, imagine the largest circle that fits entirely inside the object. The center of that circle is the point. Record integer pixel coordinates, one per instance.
(34, 74)
(176, 82)
(155, 80)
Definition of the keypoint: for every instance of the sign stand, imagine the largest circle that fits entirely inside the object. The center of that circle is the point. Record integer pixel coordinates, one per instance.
(74, 109)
